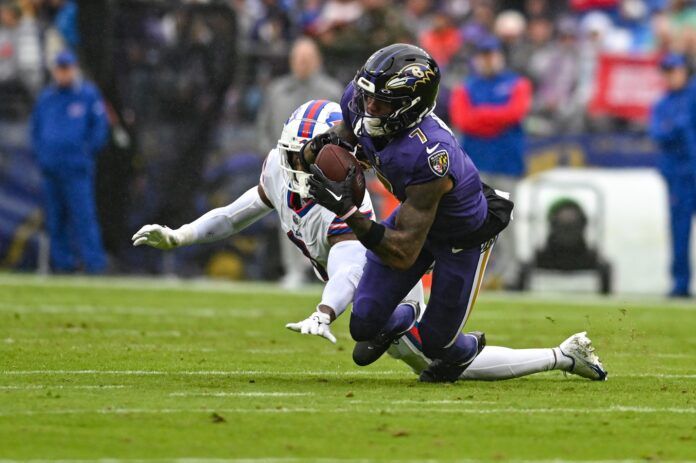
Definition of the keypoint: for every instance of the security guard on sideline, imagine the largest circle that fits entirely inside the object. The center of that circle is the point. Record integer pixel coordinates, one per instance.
(68, 129)
(671, 126)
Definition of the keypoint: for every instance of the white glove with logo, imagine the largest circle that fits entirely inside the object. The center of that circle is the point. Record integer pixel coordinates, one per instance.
(316, 324)
(157, 236)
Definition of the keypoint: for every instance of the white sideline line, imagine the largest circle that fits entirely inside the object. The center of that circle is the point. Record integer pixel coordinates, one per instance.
(378, 410)
(239, 394)
(366, 373)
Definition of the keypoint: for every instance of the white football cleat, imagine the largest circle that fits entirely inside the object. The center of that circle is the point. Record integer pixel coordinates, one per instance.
(579, 349)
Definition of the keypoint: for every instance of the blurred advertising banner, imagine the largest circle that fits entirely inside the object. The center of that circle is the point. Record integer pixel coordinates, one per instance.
(587, 5)
(627, 86)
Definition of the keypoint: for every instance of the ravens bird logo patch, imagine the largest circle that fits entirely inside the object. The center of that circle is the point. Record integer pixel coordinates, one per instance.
(439, 163)
(410, 76)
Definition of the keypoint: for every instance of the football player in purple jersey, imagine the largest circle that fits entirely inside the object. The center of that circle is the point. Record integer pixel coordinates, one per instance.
(448, 220)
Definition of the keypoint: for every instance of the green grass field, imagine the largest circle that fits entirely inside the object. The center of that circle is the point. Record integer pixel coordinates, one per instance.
(155, 369)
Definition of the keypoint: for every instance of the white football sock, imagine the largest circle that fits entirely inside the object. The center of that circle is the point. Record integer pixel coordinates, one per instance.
(494, 363)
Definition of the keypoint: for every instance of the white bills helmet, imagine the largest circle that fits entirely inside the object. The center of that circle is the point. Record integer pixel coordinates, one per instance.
(309, 120)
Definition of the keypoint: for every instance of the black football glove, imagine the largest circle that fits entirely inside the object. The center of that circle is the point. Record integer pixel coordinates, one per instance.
(317, 143)
(335, 196)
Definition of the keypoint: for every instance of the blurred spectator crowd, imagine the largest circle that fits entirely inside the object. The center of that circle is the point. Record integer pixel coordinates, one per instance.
(556, 44)
(31, 33)
(194, 86)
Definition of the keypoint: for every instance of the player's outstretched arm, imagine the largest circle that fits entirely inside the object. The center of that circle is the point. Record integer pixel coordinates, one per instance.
(214, 225)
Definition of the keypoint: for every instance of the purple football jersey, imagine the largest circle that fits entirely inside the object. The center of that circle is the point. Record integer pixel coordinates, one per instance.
(422, 154)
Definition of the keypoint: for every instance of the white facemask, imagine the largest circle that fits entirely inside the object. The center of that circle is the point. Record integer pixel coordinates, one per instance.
(299, 180)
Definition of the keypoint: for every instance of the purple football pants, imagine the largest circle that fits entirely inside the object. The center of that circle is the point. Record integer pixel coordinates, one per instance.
(457, 276)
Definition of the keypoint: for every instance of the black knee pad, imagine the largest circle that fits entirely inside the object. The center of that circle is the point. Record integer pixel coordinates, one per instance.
(363, 330)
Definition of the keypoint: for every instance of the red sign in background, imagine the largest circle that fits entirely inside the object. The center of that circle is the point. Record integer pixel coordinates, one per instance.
(627, 86)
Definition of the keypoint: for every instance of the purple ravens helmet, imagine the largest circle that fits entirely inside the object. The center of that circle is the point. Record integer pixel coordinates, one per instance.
(405, 77)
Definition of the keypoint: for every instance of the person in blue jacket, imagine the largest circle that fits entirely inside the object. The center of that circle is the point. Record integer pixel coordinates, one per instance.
(69, 127)
(488, 108)
(671, 126)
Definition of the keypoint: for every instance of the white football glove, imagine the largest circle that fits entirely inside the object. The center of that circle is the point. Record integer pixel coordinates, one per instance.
(157, 236)
(316, 324)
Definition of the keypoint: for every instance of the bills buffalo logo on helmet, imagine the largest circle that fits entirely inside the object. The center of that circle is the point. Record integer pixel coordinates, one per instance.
(410, 76)
(439, 163)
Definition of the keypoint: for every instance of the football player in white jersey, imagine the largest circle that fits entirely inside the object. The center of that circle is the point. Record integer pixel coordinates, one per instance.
(338, 257)
(332, 248)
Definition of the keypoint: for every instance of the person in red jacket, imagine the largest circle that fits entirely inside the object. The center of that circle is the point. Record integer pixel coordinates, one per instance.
(488, 108)
(443, 40)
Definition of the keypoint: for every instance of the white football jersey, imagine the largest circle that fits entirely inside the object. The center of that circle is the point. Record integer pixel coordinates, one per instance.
(309, 225)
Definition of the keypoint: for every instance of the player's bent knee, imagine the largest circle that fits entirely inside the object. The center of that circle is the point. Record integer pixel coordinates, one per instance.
(361, 329)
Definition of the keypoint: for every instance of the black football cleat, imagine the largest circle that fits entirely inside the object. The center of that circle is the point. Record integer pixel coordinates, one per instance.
(440, 371)
(368, 352)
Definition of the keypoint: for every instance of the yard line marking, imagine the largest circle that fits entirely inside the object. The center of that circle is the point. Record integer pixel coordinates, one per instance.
(314, 460)
(367, 373)
(425, 402)
(379, 410)
(63, 386)
(202, 312)
(205, 372)
(317, 460)
(239, 394)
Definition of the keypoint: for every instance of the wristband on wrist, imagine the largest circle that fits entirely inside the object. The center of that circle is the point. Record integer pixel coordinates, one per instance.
(374, 235)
